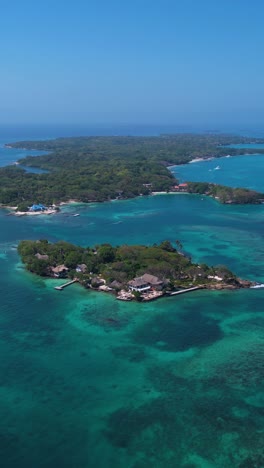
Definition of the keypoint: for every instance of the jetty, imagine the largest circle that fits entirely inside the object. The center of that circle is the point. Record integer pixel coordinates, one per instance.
(183, 291)
(60, 288)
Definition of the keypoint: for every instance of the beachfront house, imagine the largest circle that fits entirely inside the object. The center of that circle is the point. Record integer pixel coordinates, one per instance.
(145, 282)
(39, 207)
(138, 284)
(59, 271)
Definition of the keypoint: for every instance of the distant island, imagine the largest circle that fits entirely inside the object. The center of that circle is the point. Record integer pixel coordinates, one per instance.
(130, 272)
(96, 169)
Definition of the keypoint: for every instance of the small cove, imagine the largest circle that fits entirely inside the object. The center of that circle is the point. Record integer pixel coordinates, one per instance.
(10, 156)
(236, 171)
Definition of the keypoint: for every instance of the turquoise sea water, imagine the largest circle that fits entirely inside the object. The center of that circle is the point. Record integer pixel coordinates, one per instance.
(237, 171)
(87, 381)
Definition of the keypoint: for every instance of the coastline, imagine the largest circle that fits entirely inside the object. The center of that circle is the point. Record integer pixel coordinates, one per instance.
(13, 212)
(170, 192)
(197, 160)
(34, 213)
(12, 209)
(125, 295)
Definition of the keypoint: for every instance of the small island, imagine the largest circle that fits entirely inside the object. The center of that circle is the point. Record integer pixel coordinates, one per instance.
(131, 272)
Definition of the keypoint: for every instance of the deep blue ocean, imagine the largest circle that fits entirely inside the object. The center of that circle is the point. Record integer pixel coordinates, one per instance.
(87, 381)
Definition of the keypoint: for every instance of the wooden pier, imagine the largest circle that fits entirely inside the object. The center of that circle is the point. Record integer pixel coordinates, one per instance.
(183, 291)
(60, 288)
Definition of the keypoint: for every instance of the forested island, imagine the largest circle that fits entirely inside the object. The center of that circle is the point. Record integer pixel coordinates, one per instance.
(226, 195)
(130, 271)
(95, 169)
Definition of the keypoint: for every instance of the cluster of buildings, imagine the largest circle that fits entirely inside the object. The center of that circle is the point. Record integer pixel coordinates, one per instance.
(149, 286)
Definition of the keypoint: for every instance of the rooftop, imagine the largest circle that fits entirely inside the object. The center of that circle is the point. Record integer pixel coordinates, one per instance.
(145, 279)
(59, 269)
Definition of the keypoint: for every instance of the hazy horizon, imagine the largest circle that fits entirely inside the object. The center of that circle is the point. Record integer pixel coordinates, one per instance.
(40, 131)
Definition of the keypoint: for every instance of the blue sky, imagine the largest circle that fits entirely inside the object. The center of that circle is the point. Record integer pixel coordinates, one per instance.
(137, 61)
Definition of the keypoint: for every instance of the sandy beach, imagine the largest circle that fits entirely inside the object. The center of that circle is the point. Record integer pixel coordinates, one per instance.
(195, 160)
(34, 213)
(168, 193)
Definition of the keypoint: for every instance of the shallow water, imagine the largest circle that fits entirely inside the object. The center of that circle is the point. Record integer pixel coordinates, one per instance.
(90, 381)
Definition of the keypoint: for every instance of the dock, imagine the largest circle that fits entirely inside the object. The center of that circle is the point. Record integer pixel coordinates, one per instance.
(60, 288)
(183, 291)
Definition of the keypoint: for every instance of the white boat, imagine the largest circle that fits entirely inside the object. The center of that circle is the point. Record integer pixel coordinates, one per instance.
(216, 168)
(76, 214)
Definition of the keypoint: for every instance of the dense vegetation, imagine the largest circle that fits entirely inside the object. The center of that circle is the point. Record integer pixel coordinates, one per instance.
(119, 264)
(103, 168)
(170, 149)
(226, 194)
(87, 181)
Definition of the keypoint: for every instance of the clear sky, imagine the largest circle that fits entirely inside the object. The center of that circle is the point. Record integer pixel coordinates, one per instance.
(137, 61)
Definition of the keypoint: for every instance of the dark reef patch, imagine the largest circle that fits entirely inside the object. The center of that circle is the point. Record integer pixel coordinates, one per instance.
(220, 246)
(126, 425)
(178, 333)
(255, 461)
(163, 426)
(164, 380)
(107, 319)
(130, 352)
(247, 371)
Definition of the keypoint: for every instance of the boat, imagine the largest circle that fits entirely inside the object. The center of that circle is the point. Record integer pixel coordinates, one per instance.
(216, 168)
(76, 214)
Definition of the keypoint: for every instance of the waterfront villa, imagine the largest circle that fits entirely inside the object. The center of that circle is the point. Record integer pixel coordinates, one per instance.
(145, 282)
(59, 271)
